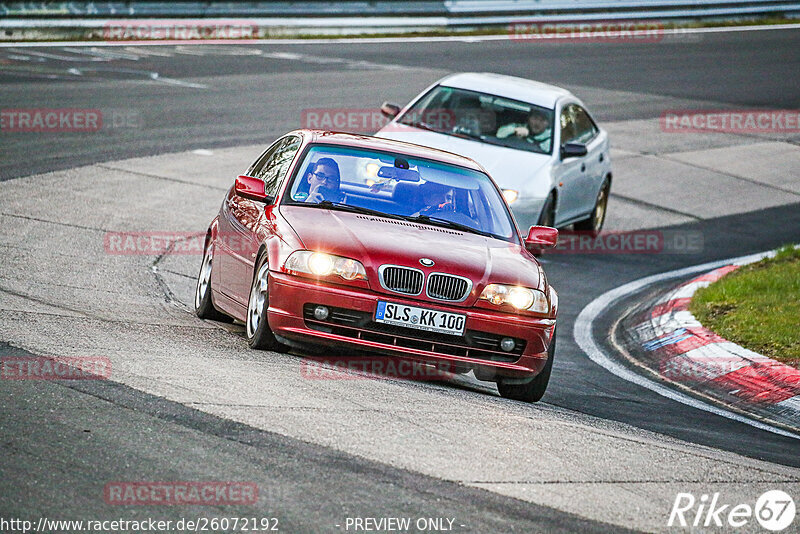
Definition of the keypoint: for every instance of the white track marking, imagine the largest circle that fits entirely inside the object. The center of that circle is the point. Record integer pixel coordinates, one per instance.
(80, 57)
(105, 54)
(172, 81)
(191, 50)
(377, 40)
(149, 52)
(582, 332)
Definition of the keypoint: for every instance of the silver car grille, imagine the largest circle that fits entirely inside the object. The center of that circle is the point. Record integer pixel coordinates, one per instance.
(448, 287)
(403, 280)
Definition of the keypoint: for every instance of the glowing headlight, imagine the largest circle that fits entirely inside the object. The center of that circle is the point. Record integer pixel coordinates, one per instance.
(322, 264)
(521, 298)
(510, 195)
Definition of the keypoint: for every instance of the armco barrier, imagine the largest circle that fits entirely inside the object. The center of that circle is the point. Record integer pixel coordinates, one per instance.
(76, 20)
(449, 8)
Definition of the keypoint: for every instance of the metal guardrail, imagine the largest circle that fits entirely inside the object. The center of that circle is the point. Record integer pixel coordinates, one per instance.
(451, 9)
(21, 21)
(218, 9)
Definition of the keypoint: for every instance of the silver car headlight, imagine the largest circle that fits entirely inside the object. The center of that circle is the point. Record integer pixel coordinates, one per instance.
(510, 195)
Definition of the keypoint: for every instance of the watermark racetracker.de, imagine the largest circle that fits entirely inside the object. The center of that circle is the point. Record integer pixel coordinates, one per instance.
(742, 121)
(343, 119)
(67, 120)
(372, 367)
(55, 368)
(179, 30)
(370, 120)
(180, 493)
(629, 242)
(609, 31)
(198, 523)
(159, 242)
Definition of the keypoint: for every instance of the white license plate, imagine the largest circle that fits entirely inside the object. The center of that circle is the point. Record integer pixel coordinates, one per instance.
(420, 318)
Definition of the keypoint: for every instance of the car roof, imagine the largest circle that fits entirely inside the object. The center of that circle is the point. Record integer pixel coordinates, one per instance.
(390, 145)
(529, 91)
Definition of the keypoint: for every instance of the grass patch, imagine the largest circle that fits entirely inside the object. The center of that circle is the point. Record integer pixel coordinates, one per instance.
(757, 306)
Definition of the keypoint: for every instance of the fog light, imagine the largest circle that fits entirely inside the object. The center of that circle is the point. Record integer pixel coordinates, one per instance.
(507, 344)
(321, 313)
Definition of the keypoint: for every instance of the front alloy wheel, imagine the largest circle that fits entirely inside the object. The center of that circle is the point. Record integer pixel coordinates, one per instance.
(259, 334)
(595, 222)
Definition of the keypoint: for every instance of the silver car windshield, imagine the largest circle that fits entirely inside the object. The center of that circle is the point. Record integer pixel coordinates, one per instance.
(415, 189)
(488, 118)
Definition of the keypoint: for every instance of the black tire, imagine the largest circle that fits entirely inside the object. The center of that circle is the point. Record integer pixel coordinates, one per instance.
(534, 390)
(257, 330)
(598, 217)
(548, 215)
(203, 306)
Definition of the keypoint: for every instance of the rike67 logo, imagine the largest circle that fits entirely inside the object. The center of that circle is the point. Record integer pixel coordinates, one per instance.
(774, 510)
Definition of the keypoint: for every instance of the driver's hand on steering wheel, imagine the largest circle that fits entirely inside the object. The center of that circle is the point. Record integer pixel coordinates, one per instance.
(521, 131)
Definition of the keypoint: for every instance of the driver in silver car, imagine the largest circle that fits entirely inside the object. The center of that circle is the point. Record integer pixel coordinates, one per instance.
(536, 130)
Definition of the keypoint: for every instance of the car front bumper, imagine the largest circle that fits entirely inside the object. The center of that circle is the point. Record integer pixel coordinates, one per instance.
(351, 324)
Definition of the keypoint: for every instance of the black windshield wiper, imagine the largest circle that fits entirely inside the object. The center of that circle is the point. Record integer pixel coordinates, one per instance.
(438, 221)
(327, 204)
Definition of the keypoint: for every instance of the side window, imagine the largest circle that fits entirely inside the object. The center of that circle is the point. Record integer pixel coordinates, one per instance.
(576, 125)
(567, 123)
(274, 163)
(259, 163)
(585, 128)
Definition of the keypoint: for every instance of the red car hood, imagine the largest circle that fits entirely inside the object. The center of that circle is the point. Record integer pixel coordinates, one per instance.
(375, 241)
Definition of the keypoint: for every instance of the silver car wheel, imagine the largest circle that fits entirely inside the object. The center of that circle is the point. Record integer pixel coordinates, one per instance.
(204, 278)
(600, 210)
(258, 297)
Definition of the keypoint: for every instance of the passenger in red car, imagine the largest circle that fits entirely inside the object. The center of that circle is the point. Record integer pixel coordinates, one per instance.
(324, 182)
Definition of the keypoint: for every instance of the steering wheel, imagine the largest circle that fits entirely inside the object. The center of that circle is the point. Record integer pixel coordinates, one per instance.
(468, 127)
(456, 217)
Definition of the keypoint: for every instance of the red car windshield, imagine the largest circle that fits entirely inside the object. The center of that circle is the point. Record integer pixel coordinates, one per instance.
(429, 192)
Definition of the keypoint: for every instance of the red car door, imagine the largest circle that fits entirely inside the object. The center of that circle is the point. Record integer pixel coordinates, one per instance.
(240, 219)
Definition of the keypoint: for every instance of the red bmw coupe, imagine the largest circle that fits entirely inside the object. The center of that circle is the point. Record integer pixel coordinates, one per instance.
(350, 241)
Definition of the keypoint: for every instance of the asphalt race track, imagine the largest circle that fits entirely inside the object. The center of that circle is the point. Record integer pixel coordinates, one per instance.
(188, 401)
